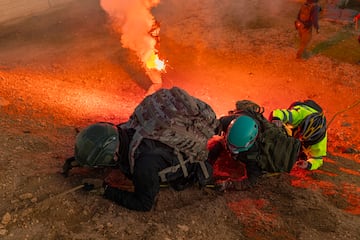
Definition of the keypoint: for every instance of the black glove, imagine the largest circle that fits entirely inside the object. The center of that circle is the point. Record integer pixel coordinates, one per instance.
(68, 165)
(94, 185)
(233, 185)
(303, 164)
(224, 185)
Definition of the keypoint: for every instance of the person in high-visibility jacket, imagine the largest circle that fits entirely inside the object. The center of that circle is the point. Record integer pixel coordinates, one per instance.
(305, 121)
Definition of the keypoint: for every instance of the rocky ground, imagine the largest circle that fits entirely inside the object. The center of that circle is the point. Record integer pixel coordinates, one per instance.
(66, 69)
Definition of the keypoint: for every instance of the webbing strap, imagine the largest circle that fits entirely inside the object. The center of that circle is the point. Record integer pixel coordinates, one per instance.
(173, 169)
(133, 146)
(204, 170)
(182, 162)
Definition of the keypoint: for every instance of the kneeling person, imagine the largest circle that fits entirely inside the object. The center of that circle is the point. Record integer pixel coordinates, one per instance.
(250, 138)
(306, 122)
(164, 141)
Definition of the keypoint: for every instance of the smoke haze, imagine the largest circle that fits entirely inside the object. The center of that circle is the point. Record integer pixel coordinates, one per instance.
(133, 20)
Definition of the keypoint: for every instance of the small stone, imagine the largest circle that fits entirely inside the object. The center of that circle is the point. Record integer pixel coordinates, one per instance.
(26, 196)
(4, 102)
(183, 227)
(3, 232)
(6, 218)
(350, 150)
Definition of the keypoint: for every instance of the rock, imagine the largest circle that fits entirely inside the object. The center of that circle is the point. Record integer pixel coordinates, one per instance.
(4, 102)
(6, 218)
(183, 227)
(350, 150)
(3, 232)
(26, 196)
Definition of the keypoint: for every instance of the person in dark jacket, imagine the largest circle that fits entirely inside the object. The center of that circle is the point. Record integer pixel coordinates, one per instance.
(307, 19)
(148, 162)
(250, 138)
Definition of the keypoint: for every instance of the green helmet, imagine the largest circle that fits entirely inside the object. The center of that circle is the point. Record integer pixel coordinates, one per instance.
(242, 133)
(97, 145)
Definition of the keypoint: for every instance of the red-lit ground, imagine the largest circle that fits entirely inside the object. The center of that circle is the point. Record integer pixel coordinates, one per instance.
(64, 70)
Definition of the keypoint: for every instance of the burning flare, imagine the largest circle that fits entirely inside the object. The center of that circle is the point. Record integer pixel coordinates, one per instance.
(154, 62)
(139, 32)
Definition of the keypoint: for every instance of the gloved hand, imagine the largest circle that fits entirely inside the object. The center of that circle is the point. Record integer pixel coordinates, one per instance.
(68, 165)
(223, 185)
(200, 177)
(277, 122)
(94, 185)
(302, 164)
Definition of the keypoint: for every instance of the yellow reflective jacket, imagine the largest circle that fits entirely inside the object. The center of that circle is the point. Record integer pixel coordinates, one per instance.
(293, 117)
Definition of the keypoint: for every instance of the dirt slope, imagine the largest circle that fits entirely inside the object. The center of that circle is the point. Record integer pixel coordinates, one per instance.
(66, 69)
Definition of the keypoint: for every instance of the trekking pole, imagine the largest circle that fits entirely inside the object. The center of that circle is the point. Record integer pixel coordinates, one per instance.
(60, 194)
(207, 186)
(23, 208)
(344, 110)
(64, 193)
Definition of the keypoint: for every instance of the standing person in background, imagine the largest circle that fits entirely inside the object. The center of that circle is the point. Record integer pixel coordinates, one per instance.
(356, 20)
(307, 19)
(306, 122)
(359, 43)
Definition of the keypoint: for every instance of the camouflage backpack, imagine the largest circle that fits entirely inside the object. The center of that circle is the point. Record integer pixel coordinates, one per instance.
(277, 151)
(178, 120)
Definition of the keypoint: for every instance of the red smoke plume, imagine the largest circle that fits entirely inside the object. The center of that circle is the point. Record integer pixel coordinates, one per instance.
(139, 32)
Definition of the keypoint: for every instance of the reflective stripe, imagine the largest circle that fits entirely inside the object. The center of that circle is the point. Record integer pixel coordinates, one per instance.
(204, 170)
(307, 108)
(285, 116)
(290, 117)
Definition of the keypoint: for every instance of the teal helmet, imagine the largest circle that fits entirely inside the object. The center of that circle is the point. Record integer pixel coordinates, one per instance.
(97, 145)
(242, 133)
